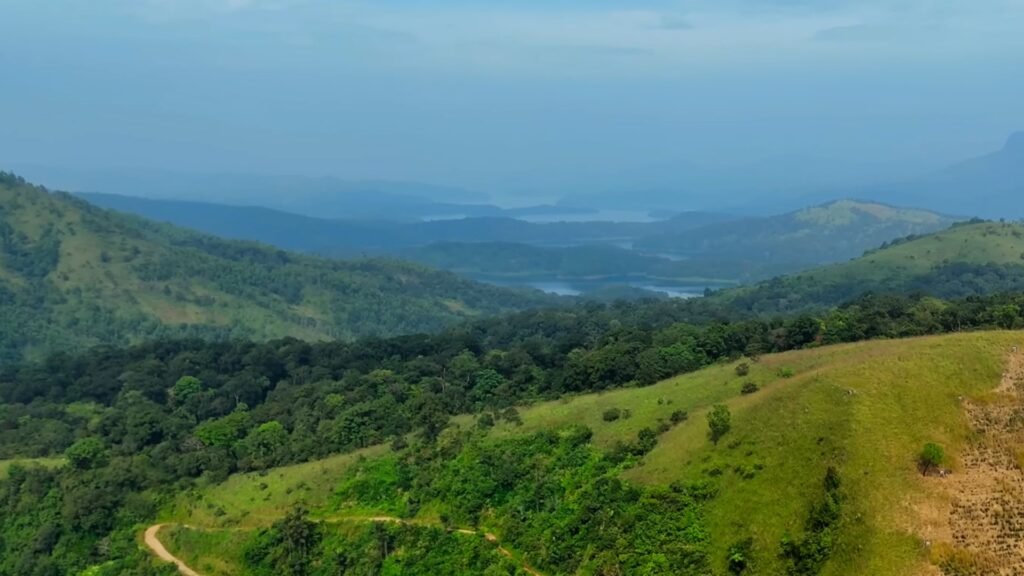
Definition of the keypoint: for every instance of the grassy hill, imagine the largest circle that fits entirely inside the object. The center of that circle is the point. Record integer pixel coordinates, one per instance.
(73, 275)
(758, 247)
(967, 259)
(864, 410)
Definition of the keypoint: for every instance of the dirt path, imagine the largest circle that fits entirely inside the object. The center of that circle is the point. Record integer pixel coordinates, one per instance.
(158, 548)
(986, 518)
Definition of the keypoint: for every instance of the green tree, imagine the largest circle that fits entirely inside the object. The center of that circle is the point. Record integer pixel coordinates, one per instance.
(185, 388)
(265, 444)
(295, 543)
(719, 422)
(930, 458)
(224, 431)
(86, 453)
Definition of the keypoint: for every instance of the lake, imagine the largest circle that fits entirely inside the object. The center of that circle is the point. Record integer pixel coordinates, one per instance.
(577, 287)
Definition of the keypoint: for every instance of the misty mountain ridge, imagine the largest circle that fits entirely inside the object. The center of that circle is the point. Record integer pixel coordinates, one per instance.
(766, 246)
(320, 197)
(987, 186)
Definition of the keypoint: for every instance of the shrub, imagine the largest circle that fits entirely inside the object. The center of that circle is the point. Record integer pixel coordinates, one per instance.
(679, 416)
(485, 421)
(611, 415)
(742, 369)
(930, 458)
(647, 439)
(512, 416)
(749, 388)
(739, 556)
(786, 372)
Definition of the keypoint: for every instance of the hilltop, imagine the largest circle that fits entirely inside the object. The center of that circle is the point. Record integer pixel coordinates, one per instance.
(73, 275)
(968, 259)
(755, 248)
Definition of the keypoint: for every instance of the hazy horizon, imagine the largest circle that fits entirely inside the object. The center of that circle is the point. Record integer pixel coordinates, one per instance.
(532, 100)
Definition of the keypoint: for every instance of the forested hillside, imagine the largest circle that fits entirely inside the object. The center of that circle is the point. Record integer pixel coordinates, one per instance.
(138, 426)
(73, 275)
(973, 258)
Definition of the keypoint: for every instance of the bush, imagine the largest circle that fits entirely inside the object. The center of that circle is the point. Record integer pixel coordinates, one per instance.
(647, 439)
(611, 415)
(742, 369)
(930, 458)
(749, 388)
(786, 372)
(679, 416)
(739, 556)
(485, 421)
(512, 416)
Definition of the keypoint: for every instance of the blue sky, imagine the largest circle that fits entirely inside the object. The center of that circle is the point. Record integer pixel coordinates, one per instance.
(509, 97)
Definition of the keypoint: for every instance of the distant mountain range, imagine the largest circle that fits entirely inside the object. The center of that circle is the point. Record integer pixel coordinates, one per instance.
(989, 186)
(688, 247)
(323, 197)
(344, 237)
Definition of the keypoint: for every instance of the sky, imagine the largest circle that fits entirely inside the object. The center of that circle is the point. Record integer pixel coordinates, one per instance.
(523, 98)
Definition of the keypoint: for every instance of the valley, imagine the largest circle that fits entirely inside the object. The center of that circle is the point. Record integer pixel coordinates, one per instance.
(615, 288)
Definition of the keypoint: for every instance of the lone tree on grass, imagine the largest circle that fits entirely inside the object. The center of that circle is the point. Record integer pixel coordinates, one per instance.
(930, 458)
(719, 422)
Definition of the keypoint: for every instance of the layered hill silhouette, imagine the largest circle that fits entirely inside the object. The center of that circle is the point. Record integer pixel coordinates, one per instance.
(990, 186)
(754, 248)
(711, 245)
(73, 275)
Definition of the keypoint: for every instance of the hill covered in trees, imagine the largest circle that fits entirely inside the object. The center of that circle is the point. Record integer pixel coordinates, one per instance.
(974, 258)
(73, 275)
(560, 432)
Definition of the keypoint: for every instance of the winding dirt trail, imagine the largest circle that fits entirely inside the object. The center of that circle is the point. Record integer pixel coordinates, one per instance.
(154, 544)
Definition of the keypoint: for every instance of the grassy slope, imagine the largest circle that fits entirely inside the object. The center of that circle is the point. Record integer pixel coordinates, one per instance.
(902, 267)
(117, 278)
(5, 465)
(866, 408)
(982, 243)
(254, 499)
